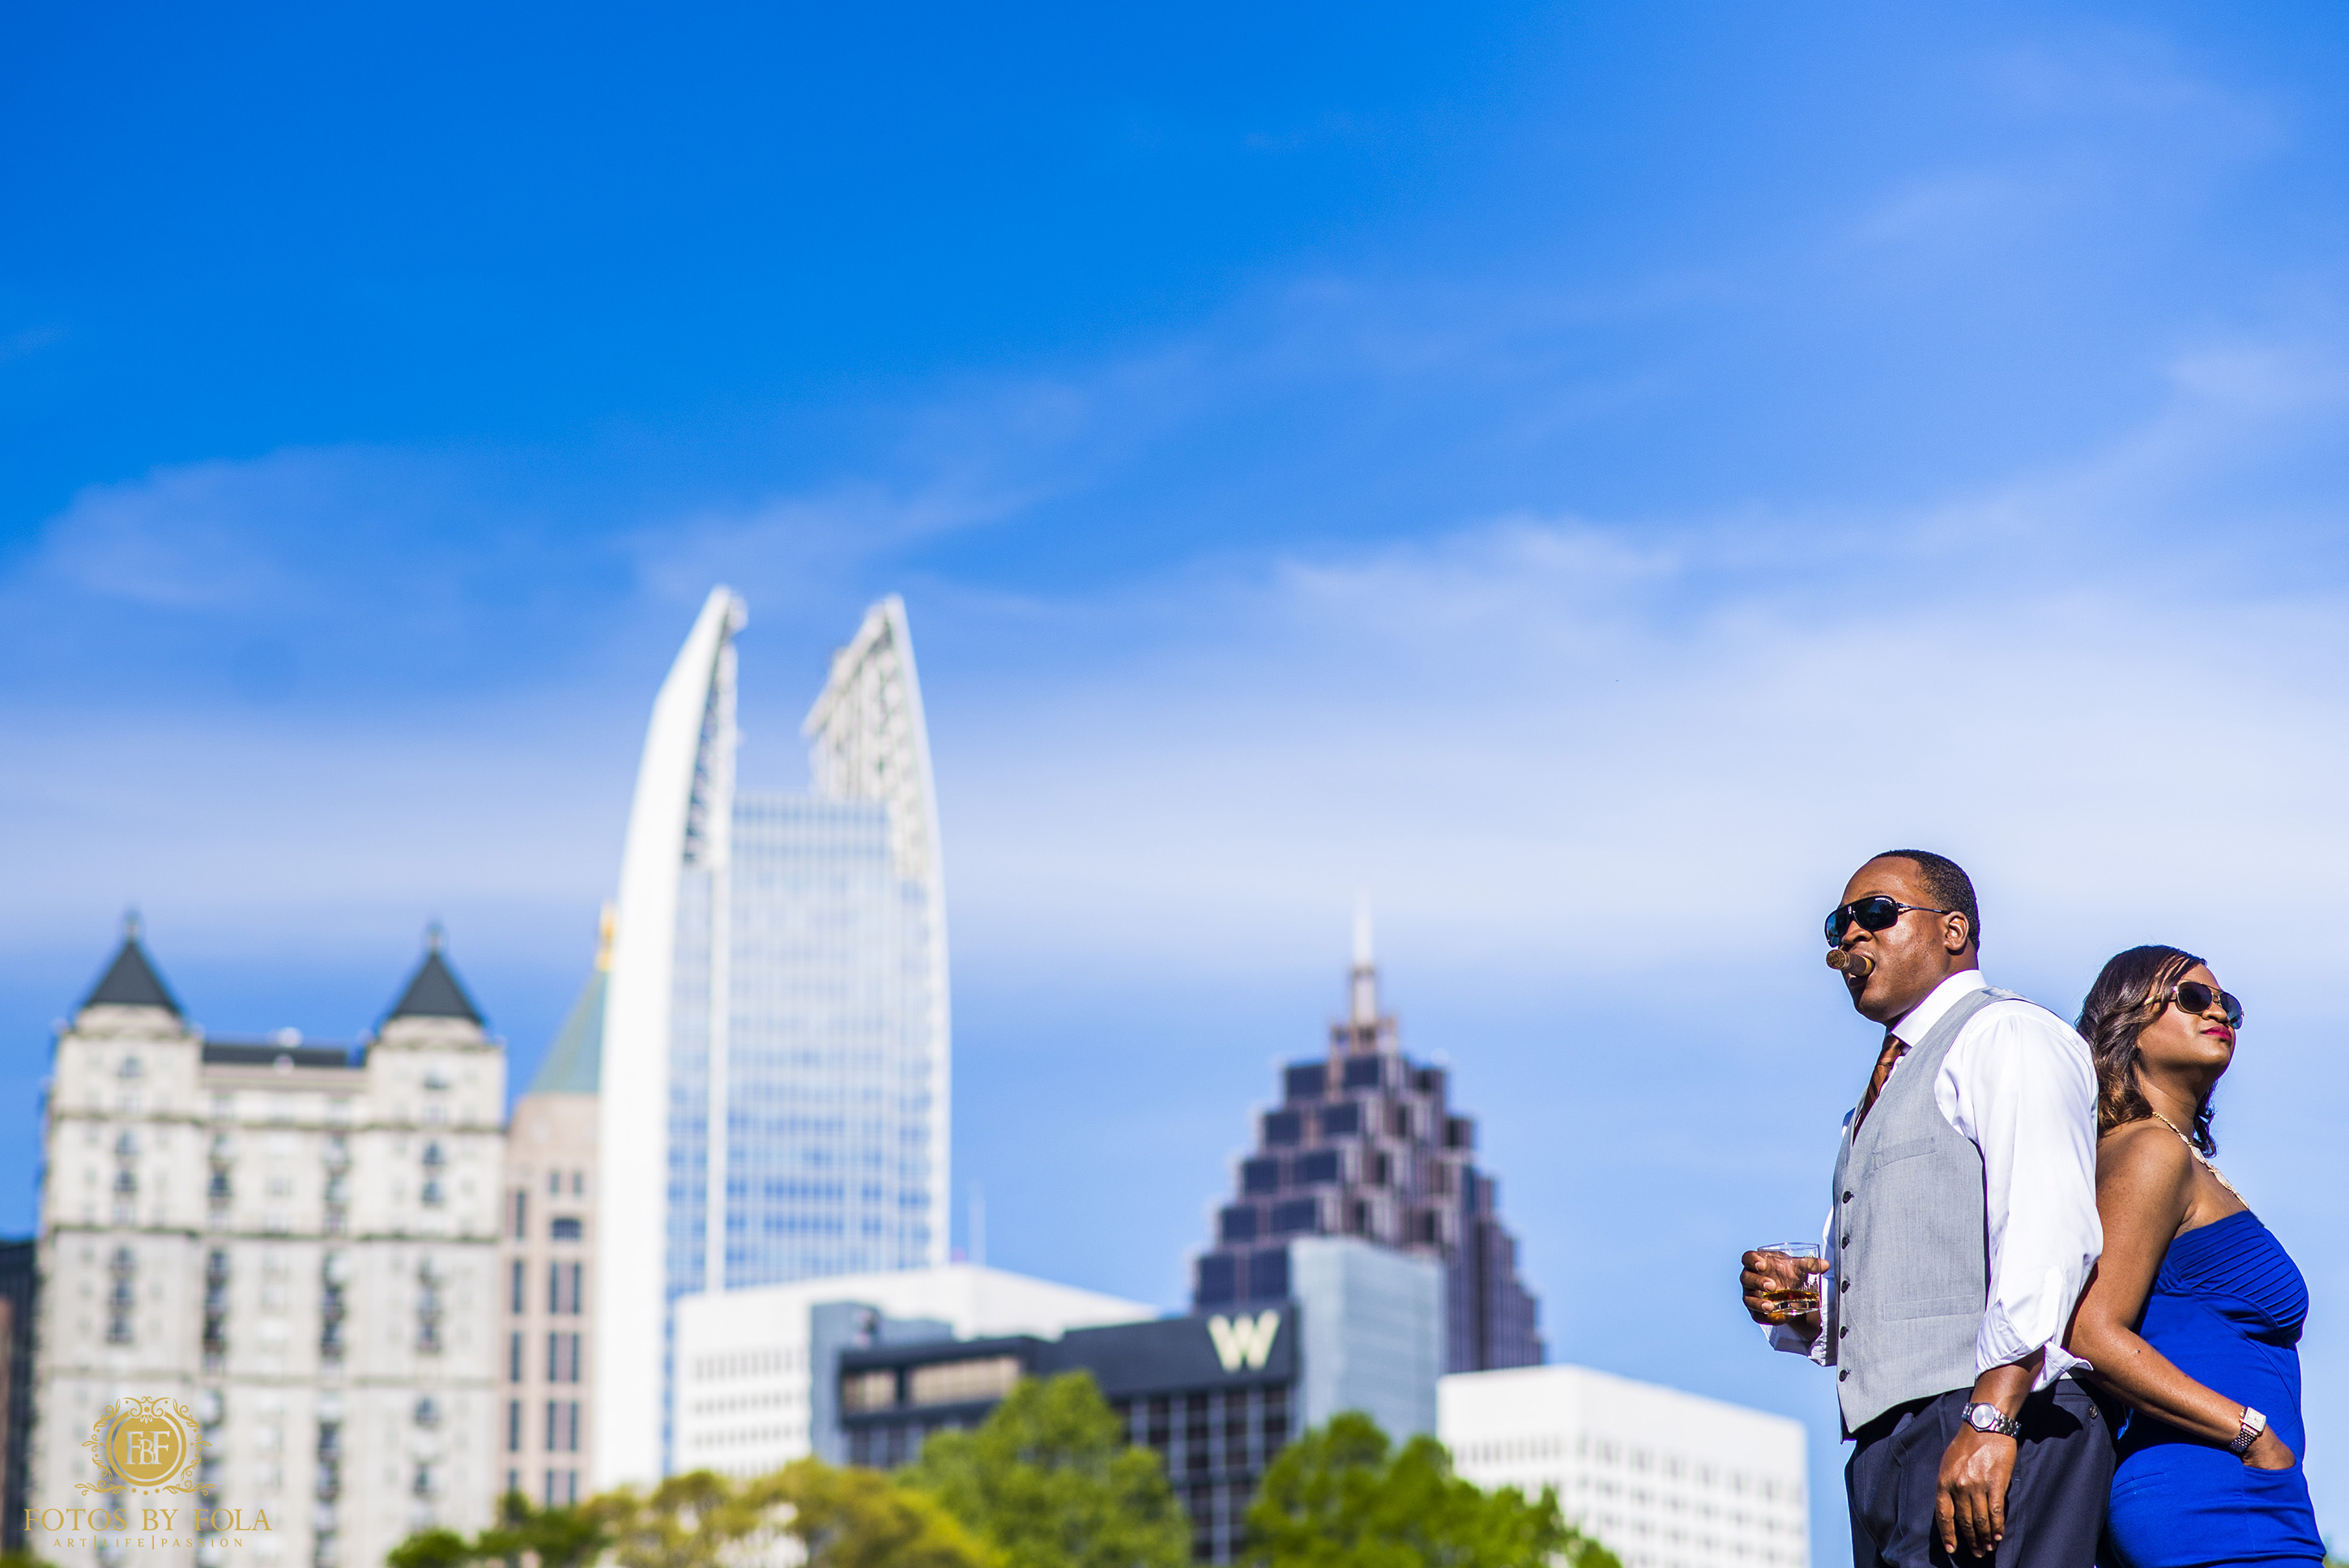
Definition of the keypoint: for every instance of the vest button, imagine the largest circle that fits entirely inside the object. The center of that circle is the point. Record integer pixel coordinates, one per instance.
(1844, 1284)
(1846, 1197)
(1847, 1239)
(1844, 1334)
(1844, 1375)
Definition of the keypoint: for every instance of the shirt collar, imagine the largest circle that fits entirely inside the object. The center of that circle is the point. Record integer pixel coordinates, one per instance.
(1917, 1021)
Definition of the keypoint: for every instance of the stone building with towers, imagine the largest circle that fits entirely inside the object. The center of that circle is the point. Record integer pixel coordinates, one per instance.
(296, 1244)
(1365, 1143)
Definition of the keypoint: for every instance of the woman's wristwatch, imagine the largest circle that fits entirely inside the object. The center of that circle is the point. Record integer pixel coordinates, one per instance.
(2254, 1425)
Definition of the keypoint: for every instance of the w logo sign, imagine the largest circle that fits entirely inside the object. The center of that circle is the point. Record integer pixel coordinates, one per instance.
(1244, 1342)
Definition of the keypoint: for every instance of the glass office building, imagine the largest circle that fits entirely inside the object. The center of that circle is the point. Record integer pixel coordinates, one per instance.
(778, 986)
(1365, 1143)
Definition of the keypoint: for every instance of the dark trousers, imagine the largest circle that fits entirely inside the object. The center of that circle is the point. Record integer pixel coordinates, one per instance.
(2054, 1505)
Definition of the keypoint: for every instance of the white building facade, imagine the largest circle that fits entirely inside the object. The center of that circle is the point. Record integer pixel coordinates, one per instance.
(776, 1053)
(296, 1244)
(1659, 1478)
(752, 1383)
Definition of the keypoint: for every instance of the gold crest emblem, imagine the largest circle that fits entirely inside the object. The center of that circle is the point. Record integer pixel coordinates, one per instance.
(146, 1444)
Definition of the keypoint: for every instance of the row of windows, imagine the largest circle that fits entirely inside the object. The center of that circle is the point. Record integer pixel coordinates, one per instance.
(563, 1358)
(567, 1291)
(561, 1426)
(561, 1228)
(561, 1487)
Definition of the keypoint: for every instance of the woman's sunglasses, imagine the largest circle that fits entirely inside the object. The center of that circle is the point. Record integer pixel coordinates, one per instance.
(1877, 911)
(2195, 998)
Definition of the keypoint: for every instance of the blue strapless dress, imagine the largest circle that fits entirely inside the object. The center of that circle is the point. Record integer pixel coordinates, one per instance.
(2226, 1308)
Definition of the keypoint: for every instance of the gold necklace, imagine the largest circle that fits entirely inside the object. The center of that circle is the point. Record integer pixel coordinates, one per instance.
(2198, 1154)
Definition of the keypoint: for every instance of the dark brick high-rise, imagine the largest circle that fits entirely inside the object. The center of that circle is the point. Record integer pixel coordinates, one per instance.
(1365, 1144)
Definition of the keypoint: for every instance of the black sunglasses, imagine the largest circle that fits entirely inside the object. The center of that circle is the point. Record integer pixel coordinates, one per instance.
(1877, 911)
(2195, 998)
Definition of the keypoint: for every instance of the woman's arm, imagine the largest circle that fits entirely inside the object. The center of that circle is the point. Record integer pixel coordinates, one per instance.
(2145, 1180)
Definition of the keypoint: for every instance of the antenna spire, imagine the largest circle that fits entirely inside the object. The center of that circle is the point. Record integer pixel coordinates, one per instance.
(1365, 977)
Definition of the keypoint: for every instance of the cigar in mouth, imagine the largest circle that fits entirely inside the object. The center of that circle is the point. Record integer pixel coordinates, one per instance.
(1855, 965)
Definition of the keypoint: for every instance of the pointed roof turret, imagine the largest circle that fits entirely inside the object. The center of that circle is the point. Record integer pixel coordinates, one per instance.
(434, 992)
(574, 1063)
(131, 981)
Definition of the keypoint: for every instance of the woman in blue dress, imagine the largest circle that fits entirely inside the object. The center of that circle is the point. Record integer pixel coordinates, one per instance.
(2193, 1316)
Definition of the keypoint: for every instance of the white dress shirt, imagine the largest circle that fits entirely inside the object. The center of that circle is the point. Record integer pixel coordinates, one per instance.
(2018, 1084)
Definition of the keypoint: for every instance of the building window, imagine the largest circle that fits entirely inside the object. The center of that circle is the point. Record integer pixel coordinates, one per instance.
(513, 1434)
(1283, 1129)
(513, 1357)
(567, 1229)
(562, 1426)
(1306, 1080)
(1362, 1072)
(1217, 1280)
(962, 1382)
(563, 1358)
(520, 1215)
(1295, 1214)
(563, 1288)
(520, 1287)
(1321, 1165)
(872, 1390)
(1237, 1224)
(1341, 1121)
(1260, 1177)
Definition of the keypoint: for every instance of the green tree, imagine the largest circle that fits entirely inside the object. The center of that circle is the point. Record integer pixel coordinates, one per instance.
(430, 1549)
(1341, 1497)
(570, 1537)
(861, 1519)
(1050, 1482)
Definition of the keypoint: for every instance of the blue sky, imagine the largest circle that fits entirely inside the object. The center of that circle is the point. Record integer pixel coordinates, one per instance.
(1584, 475)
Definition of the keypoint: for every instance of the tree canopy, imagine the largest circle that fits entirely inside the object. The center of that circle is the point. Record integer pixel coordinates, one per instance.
(1343, 1497)
(841, 1519)
(1050, 1482)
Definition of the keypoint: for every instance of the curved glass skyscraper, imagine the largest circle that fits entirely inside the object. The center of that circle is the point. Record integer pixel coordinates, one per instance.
(776, 1055)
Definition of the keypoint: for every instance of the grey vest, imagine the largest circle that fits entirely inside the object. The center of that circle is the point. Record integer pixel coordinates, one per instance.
(1909, 1244)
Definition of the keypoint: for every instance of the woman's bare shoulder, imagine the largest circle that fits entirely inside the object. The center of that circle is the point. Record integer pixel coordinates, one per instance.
(2143, 1153)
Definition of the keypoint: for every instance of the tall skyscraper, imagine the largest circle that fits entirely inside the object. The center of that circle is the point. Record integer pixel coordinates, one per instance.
(775, 1065)
(1365, 1143)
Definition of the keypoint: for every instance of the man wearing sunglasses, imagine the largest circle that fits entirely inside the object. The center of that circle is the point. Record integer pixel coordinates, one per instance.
(1963, 1226)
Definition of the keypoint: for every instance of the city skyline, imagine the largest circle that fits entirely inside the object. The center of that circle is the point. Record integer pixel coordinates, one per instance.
(1497, 458)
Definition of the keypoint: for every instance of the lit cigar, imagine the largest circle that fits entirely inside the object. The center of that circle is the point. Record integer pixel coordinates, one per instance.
(1855, 965)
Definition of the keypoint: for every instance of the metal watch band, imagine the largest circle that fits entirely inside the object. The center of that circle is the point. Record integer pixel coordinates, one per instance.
(2254, 1424)
(1991, 1419)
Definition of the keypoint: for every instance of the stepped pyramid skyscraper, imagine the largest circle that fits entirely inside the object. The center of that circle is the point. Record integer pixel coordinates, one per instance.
(1365, 1143)
(774, 1080)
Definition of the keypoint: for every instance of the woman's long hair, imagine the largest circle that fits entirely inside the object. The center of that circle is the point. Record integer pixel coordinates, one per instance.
(2128, 995)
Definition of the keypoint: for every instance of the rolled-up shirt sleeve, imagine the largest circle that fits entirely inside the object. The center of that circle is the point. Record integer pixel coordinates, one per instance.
(2021, 1087)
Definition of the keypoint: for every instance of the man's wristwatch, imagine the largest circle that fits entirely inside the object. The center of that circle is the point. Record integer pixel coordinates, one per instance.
(2254, 1425)
(1984, 1417)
